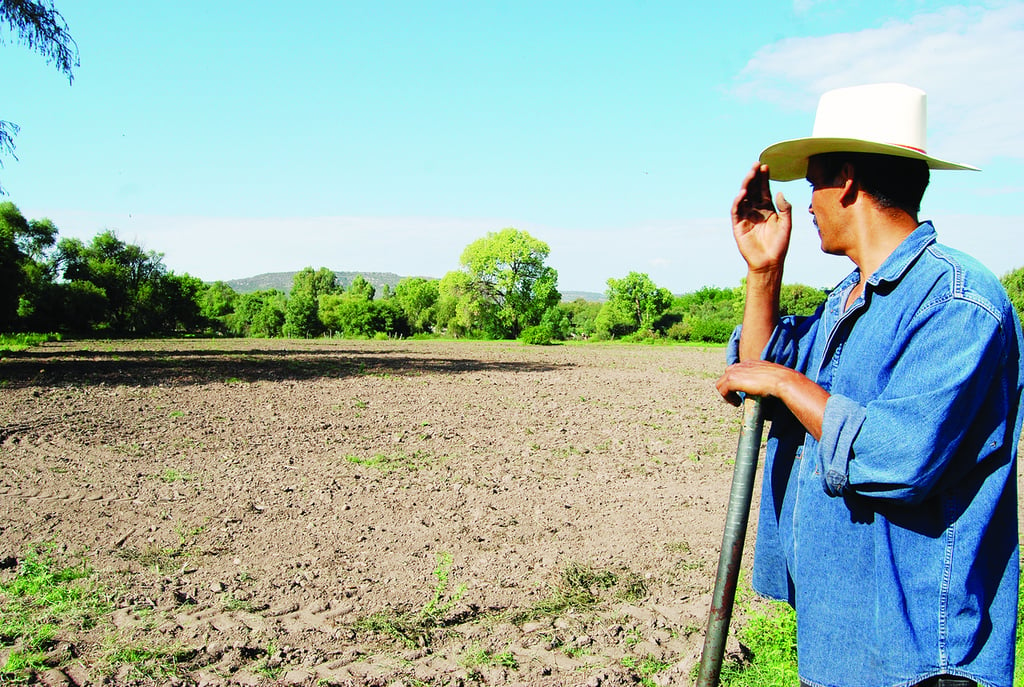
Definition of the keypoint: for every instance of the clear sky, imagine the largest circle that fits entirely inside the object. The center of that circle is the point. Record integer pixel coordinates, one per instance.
(246, 137)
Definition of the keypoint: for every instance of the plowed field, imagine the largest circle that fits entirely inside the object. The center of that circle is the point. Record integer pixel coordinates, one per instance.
(349, 513)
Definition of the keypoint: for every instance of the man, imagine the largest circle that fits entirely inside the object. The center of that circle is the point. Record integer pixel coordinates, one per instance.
(889, 503)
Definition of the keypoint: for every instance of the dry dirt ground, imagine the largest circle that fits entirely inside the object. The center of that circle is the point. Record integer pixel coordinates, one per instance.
(382, 513)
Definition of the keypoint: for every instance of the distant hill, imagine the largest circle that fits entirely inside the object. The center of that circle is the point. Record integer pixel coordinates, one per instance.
(569, 296)
(282, 281)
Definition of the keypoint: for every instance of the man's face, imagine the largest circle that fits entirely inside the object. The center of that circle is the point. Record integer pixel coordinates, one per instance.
(825, 205)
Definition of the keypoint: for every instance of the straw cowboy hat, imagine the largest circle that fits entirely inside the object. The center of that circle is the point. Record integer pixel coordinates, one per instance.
(886, 118)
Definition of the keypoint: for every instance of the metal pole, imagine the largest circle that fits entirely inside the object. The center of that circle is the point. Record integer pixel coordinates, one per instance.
(732, 543)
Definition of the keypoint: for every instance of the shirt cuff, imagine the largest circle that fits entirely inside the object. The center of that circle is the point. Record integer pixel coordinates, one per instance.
(732, 351)
(840, 426)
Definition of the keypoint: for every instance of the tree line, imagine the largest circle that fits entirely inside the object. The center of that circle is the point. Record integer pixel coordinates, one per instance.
(503, 290)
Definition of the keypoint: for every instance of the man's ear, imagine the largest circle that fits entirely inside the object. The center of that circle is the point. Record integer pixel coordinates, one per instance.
(847, 183)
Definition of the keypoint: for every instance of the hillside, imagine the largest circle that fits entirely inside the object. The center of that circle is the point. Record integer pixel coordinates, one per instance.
(282, 281)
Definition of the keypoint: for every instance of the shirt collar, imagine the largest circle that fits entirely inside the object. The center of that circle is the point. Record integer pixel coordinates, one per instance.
(900, 260)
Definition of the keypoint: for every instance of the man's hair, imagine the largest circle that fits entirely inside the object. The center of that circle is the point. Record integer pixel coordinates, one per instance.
(892, 181)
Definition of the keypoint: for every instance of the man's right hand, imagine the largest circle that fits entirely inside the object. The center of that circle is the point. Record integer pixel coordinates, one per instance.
(761, 231)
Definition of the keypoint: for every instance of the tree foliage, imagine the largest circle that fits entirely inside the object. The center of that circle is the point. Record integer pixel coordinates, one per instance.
(113, 288)
(417, 297)
(634, 304)
(41, 28)
(139, 296)
(1013, 282)
(508, 281)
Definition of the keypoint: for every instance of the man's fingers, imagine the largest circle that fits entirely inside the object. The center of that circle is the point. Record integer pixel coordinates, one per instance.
(785, 207)
(765, 191)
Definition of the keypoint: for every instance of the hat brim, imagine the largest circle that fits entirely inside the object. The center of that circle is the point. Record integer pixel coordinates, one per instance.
(788, 160)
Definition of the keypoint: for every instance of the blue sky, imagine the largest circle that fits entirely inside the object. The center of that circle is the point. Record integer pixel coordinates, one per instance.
(239, 138)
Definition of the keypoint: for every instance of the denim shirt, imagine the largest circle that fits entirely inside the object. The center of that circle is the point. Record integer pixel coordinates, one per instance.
(895, 536)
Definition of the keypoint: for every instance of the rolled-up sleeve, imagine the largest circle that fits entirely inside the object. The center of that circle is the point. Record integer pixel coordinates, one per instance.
(902, 440)
(840, 426)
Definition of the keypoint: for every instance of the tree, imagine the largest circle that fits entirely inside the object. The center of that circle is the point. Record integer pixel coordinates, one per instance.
(634, 303)
(134, 282)
(460, 308)
(582, 315)
(41, 28)
(1013, 282)
(301, 317)
(259, 314)
(800, 299)
(217, 300)
(360, 289)
(25, 269)
(418, 297)
(508, 273)
(709, 314)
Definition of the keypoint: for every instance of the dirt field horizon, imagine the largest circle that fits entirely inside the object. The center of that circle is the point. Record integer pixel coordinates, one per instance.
(372, 513)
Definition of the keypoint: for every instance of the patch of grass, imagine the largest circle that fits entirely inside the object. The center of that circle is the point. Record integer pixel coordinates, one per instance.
(1018, 652)
(19, 342)
(582, 588)
(478, 657)
(42, 603)
(415, 629)
(149, 663)
(645, 667)
(770, 636)
(394, 461)
(230, 603)
(172, 475)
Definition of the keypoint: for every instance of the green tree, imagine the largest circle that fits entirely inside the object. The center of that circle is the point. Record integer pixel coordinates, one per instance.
(41, 28)
(357, 317)
(417, 297)
(259, 314)
(360, 289)
(582, 315)
(508, 273)
(217, 300)
(634, 303)
(800, 299)
(141, 297)
(460, 308)
(709, 314)
(27, 271)
(301, 317)
(1013, 282)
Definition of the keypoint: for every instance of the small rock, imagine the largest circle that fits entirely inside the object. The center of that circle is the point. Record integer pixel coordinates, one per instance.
(295, 677)
(55, 677)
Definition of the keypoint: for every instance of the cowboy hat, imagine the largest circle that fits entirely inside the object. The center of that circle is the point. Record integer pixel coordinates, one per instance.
(886, 118)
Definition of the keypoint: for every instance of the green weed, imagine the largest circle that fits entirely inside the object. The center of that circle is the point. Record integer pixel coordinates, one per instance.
(770, 635)
(19, 342)
(394, 461)
(1018, 665)
(172, 475)
(478, 657)
(41, 604)
(582, 588)
(415, 629)
(645, 667)
(148, 663)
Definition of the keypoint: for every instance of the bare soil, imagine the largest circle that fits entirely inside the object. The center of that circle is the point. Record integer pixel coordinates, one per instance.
(284, 512)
